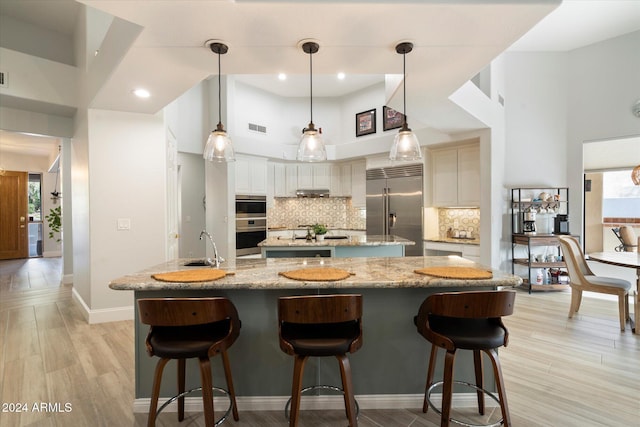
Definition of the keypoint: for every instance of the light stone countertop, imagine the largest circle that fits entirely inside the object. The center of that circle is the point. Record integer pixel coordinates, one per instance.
(261, 273)
(454, 240)
(368, 240)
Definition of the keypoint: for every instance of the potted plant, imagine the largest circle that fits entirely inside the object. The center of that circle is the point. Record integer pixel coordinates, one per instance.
(319, 230)
(54, 220)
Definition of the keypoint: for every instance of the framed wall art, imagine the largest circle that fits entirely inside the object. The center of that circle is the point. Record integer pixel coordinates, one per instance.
(391, 119)
(366, 122)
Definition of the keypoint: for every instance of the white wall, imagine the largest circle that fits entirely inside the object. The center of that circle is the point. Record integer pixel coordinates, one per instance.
(557, 101)
(604, 85)
(192, 212)
(188, 119)
(118, 167)
(536, 119)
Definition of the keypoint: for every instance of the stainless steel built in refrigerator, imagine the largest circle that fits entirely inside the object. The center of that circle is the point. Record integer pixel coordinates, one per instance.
(394, 204)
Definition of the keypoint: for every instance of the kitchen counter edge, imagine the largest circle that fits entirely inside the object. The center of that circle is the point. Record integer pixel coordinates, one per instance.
(367, 273)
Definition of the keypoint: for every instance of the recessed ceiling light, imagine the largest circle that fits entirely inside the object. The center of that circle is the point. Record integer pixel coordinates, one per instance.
(341, 76)
(141, 93)
(282, 76)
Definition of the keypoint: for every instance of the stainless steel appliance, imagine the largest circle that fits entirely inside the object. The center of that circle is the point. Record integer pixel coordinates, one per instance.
(394, 204)
(251, 206)
(251, 223)
(529, 222)
(561, 224)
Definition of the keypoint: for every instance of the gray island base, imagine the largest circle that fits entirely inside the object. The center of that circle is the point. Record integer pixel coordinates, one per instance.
(388, 371)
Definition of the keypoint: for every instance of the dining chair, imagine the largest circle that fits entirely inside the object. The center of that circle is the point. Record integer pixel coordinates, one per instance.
(581, 278)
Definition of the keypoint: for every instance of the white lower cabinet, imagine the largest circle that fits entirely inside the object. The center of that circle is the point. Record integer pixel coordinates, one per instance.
(470, 252)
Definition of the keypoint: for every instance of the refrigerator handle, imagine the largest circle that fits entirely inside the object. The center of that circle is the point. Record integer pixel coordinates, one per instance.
(392, 219)
(385, 210)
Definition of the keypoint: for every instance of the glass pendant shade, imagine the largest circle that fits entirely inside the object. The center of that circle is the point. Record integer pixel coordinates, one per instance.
(405, 146)
(311, 147)
(219, 147)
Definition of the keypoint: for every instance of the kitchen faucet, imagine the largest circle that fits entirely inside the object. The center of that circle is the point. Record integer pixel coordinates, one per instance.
(216, 258)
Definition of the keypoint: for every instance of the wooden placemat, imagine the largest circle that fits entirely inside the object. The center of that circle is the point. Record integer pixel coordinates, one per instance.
(455, 272)
(317, 274)
(190, 276)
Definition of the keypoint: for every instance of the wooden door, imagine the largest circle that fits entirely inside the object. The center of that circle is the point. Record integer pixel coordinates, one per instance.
(13, 215)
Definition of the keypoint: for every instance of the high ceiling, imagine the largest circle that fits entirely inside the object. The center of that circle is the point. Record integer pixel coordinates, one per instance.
(454, 40)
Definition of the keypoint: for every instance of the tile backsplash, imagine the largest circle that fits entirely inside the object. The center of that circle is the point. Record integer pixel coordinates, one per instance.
(335, 212)
(467, 219)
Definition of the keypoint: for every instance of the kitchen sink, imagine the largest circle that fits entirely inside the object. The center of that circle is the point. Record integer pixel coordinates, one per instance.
(197, 263)
(336, 237)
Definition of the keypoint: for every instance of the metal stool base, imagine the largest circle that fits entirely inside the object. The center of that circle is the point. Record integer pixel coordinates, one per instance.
(221, 390)
(462, 423)
(318, 387)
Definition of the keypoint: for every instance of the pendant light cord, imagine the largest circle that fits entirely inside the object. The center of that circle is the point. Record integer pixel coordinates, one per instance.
(311, 84)
(219, 93)
(404, 88)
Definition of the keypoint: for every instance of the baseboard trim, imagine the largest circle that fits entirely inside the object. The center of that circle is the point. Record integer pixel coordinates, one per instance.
(67, 279)
(102, 315)
(277, 403)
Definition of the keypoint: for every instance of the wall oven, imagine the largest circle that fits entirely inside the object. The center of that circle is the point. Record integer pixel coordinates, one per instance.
(251, 223)
(251, 206)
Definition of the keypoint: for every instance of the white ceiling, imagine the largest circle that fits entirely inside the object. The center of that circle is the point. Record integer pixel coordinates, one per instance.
(453, 41)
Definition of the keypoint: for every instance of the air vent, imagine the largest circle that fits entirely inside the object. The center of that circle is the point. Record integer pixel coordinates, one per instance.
(257, 128)
(3, 79)
(395, 172)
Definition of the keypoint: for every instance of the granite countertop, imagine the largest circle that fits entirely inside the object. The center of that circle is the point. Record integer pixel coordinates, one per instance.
(261, 273)
(368, 240)
(461, 241)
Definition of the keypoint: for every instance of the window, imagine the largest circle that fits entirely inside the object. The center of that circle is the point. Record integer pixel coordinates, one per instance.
(620, 197)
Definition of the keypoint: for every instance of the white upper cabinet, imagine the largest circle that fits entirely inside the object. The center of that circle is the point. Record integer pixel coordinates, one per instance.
(469, 176)
(291, 177)
(314, 176)
(359, 184)
(456, 176)
(279, 180)
(340, 180)
(251, 175)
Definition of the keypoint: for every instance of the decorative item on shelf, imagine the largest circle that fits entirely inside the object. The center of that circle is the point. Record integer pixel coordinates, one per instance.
(405, 145)
(219, 147)
(319, 230)
(366, 122)
(311, 147)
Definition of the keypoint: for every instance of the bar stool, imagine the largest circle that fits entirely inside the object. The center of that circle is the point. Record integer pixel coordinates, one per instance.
(470, 321)
(320, 326)
(184, 328)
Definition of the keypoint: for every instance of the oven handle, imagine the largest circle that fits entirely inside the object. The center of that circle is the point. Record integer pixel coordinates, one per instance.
(254, 228)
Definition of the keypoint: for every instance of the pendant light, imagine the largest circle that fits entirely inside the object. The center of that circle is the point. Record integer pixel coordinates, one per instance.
(219, 147)
(311, 147)
(405, 144)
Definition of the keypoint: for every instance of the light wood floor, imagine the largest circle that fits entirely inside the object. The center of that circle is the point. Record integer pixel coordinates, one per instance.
(578, 372)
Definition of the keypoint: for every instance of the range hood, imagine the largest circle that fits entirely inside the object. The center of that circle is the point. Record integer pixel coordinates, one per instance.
(312, 193)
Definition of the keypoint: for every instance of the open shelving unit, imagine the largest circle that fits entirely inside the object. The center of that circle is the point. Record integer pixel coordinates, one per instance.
(523, 199)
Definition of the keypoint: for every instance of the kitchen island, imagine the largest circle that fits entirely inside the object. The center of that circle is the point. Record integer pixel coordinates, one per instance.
(388, 371)
(334, 246)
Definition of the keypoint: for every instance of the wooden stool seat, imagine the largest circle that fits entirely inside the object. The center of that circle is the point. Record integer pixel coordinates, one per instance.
(185, 328)
(468, 321)
(320, 326)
